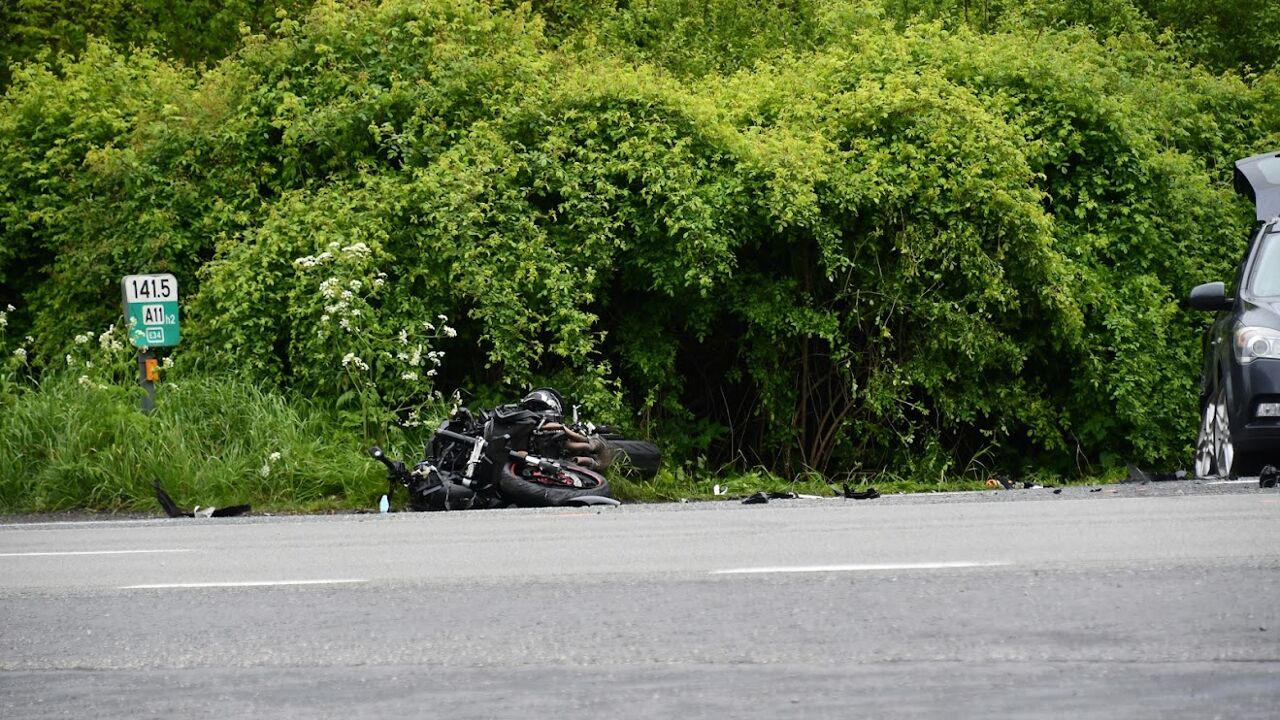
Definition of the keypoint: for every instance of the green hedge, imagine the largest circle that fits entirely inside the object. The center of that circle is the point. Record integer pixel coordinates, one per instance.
(867, 243)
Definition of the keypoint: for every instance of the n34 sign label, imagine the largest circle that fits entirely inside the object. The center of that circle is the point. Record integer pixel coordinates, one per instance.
(151, 309)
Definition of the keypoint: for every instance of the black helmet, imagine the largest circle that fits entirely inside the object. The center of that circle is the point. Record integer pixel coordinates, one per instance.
(545, 401)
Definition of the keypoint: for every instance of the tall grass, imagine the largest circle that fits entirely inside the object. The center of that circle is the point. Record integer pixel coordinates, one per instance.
(70, 444)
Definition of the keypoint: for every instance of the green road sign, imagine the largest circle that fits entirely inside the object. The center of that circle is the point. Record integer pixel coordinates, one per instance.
(151, 309)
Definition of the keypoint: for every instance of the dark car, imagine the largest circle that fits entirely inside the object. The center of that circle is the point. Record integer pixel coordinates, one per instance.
(1240, 383)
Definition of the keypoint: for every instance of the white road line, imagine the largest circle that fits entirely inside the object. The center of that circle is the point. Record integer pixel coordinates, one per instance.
(1232, 482)
(252, 583)
(855, 568)
(91, 552)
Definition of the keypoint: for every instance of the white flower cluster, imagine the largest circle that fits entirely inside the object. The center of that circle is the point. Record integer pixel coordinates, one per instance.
(108, 340)
(265, 470)
(311, 261)
(353, 359)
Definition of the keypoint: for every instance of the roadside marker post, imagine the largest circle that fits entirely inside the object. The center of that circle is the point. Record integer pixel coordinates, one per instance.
(151, 314)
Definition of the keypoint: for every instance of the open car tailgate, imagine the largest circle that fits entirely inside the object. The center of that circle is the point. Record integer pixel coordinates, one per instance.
(1258, 178)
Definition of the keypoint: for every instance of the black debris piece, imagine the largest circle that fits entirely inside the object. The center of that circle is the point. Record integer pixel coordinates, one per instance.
(782, 496)
(868, 494)
(1269, 477)
(171, 508)
(758, 499)
(1095, 489)
(1057, 491)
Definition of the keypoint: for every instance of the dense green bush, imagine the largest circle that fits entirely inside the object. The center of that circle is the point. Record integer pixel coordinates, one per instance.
(193, 31)
(844, 239)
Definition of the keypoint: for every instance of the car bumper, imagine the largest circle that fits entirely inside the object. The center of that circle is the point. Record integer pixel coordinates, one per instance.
(1252, 386)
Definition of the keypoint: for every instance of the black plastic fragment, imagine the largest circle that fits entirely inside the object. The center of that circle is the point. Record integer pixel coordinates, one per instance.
(1057, 491)
(868, 494)
(1095, 489)
(166, 502)
(171, 508)
(1269, 477)
(758, 499)
(782, 495)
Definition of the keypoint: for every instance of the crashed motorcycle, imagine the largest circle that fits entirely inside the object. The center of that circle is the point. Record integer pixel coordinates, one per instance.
(522, 454)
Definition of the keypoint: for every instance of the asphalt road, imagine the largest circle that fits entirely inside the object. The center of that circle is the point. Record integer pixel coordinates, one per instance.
(1152, 601)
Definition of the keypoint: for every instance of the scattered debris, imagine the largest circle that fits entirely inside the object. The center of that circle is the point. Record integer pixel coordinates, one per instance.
(1001, 481)
(720, 490)
(384, 505)
(1269, 477)
(868, 494)
(759, 498)
(1095, 489)
(1137, 475)
(171, 508)
(1057, 491)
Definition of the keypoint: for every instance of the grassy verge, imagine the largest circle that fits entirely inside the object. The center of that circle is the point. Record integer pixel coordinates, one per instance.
(69, 444)
(212, 441)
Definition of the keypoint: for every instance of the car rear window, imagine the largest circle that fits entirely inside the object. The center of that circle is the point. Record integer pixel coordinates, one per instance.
(1266, 270)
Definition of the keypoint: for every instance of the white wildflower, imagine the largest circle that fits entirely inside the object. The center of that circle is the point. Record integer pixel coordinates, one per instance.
(355, 285)
(306, 262)
(4, 320)
(353, 359)
(345, 324)
(346, 295)
(29, 339)
(329, 287)
(358, 249)
(449, 332)
(21, 354)
(273, 457)
(416, 358)
(105, 340)
(70, 360)
(379, 282)
(428, 327)
(265, 470)
(324, 318)
(404, 337)
(431, 372)
(167, 364)
(82, 339)
(410, 376)
(324, 257)
(9, 308)
(442, 318)
(84, 380)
